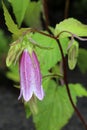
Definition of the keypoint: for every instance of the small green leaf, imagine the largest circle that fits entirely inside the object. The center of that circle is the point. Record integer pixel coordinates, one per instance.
(19, 9)
(56, 70)
(73, 55)
(31, 19)
(71, 25)
(27, 109)
(13, 73)
(56, 110)
(12, 27)
(82, 60)
(82, 91)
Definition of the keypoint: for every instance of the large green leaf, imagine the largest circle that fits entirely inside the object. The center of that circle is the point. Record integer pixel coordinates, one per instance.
(30, 19)
(19, 9)
(71, 25)
(82, 60)
(48, 57)
(55, 110)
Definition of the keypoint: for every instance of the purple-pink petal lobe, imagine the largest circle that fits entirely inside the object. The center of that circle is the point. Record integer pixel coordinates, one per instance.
(30, 76)
(38, 90)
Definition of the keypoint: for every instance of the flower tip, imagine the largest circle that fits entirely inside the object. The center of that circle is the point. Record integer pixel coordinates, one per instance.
(41, 95)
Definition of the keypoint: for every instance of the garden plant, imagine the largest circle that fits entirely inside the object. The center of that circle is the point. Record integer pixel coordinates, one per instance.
(37, 60)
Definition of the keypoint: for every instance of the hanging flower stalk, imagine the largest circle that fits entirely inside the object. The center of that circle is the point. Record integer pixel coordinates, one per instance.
(30, 76)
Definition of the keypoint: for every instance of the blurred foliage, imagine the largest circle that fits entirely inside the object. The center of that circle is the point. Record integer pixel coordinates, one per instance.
(80, 6)
(4, 46)
(82, 60)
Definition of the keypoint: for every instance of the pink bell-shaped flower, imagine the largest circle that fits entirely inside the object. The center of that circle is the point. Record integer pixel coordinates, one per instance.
(30, 76)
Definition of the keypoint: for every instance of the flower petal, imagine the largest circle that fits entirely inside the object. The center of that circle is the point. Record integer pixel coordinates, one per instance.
(38, 90)
(26, 75)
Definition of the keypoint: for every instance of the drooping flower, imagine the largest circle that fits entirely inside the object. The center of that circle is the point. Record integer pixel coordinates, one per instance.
(30, 76)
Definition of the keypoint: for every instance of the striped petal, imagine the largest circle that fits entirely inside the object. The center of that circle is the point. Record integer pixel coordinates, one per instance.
(38, 90)
(26, 76)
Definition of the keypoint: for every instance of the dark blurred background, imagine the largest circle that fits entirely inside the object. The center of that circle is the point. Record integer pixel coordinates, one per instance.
(12, 115)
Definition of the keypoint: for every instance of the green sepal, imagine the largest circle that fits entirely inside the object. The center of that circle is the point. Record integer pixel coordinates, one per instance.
(16, 49)
(13, 54)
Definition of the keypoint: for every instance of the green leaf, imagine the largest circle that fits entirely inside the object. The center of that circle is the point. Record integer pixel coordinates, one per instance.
(82, 60)
(71, 25)
(19, 9)
(48, 57)
(82, 91)
(73, 55)
(56, 70)
(12, 27)
(56, 110)
(30, 19)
